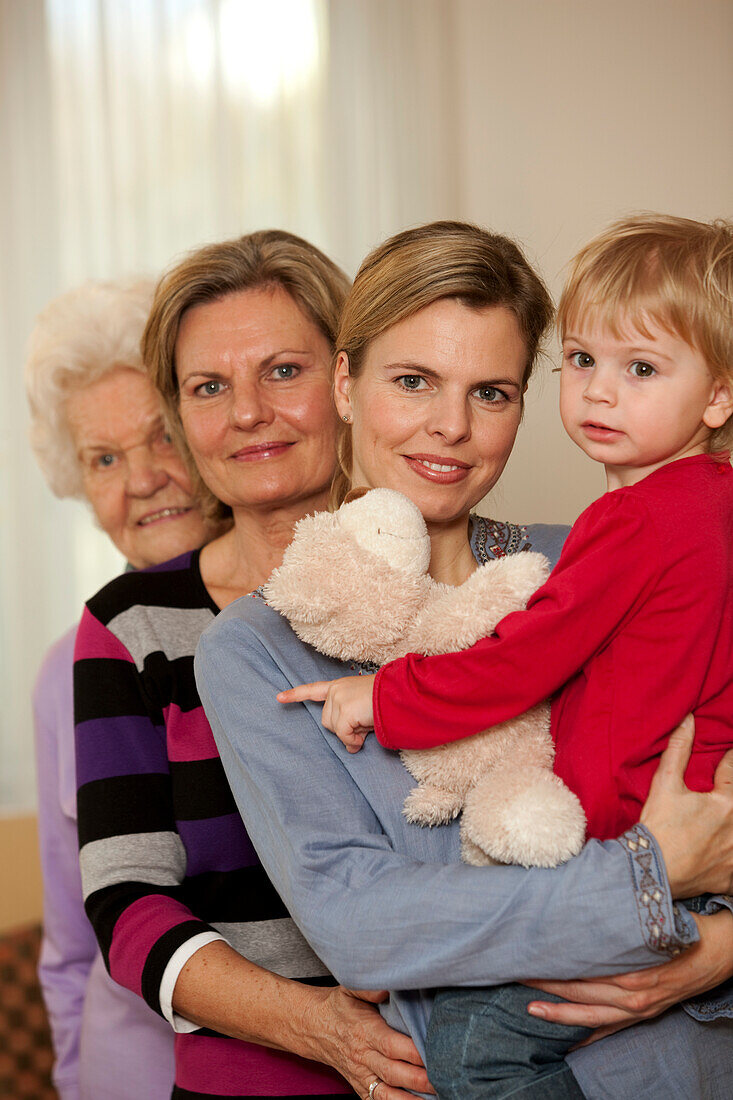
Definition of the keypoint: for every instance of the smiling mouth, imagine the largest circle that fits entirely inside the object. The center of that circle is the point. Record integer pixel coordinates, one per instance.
(432, 469)
(162, 513)
(438, 467)
(262, 450)
(431, 462)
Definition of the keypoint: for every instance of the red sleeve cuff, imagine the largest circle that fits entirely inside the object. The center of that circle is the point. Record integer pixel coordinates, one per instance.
(379, 730)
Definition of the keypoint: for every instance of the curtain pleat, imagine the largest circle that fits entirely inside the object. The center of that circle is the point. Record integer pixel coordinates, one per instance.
(139, 129)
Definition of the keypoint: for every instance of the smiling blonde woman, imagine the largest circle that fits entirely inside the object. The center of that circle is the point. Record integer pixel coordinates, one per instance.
(239, 342)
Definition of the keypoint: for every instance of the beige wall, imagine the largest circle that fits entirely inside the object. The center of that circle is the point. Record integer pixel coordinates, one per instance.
(572, 113)
(20, 887)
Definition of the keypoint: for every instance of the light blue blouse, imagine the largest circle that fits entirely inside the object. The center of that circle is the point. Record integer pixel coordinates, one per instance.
(388, 905)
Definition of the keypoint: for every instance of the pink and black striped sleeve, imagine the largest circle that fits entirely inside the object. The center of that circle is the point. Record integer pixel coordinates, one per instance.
(133, 861)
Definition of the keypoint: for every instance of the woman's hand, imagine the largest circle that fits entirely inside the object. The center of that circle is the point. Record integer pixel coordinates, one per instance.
(349, 1034)
(347, 706)
(694, 830)
(609, 1004)
(219, 989)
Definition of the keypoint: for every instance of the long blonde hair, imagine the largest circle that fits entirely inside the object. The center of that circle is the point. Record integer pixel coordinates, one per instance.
(420, 266)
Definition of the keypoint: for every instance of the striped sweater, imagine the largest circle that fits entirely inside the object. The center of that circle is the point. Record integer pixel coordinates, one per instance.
(163, 852)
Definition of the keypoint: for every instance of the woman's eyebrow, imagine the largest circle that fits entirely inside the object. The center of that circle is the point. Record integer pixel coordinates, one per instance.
(413, 368)
(500, 382)
(284, 351)
(203, 372)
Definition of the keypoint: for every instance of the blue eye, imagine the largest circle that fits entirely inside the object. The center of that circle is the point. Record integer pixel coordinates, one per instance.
(490, 394)
(411, 381)
(105, 461)
(640, 369)
(212, 388)
(285, 371)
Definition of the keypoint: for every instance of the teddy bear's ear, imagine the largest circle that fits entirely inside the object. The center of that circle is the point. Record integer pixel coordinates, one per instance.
(306, 586)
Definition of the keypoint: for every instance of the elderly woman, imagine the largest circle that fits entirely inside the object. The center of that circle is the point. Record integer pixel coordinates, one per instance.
(436, 344)
(98, 433)
(240, 342)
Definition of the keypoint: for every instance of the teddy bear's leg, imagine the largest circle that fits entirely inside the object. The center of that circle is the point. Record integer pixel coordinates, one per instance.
(471, 853)
(524, 815)
(428, 805)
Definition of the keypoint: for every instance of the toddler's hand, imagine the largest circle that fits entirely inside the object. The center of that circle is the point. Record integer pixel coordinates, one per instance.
(347, 706)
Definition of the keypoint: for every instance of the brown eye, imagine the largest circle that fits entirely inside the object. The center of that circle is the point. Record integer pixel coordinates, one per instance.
(640, 369)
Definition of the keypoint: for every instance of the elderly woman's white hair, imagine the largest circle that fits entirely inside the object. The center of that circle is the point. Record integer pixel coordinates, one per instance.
(78, 338)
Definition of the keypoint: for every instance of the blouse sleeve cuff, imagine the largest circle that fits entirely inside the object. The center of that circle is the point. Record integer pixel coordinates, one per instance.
(667, 928)
(176, 963)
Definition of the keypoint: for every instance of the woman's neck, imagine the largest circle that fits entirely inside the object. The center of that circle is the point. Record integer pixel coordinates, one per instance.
(451, 557)
(243, 558)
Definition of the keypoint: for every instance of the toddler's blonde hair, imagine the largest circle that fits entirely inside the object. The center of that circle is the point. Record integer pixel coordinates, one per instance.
(673, 272)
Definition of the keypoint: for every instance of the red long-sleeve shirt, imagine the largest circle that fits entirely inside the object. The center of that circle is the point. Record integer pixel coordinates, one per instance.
(632, 631)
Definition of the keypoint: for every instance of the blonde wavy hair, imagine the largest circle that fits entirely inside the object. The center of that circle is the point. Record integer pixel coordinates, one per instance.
(420, 266)
(675, 272)
(269, 258)
(78, 337)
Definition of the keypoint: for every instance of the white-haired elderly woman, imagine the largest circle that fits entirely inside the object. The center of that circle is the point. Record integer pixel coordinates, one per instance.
(98, 433)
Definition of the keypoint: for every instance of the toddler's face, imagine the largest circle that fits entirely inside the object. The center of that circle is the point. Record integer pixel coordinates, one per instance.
(636, 402)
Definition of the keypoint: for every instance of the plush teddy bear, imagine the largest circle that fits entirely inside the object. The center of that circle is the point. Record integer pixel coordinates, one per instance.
(354, 585)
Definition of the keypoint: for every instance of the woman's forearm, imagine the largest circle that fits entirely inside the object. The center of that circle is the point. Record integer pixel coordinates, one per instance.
(612, 1003)
(219, 989)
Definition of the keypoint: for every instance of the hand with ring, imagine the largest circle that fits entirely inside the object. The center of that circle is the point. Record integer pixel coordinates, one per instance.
(377, 1062)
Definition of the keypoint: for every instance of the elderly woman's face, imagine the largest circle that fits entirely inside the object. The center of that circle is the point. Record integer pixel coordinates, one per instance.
(132, 475)
(436, 407)
(255, 400)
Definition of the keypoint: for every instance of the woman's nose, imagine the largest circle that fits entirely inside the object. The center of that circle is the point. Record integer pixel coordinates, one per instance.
(250, 406)
(449, 418)
(146, 472)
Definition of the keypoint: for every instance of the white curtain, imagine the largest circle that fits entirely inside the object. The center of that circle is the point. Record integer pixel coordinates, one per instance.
(133, 130)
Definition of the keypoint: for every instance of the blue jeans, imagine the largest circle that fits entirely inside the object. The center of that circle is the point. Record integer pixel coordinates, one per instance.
(482, 1043)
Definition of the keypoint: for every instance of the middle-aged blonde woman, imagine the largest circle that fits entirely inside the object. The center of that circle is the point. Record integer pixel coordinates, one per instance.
(239, 341)
(437, 340)
(98, 433)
